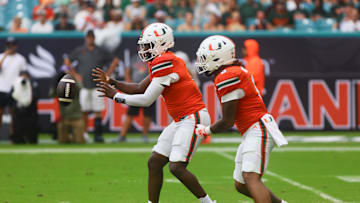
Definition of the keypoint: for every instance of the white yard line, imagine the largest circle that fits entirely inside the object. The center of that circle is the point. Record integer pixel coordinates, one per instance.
(237, 139)
(148, 149)
(349, 179)
(291, 182)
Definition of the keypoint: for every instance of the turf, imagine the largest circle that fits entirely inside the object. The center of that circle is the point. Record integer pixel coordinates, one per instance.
(122, 177)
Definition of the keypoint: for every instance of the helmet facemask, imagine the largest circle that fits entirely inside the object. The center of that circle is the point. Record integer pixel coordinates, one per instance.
(146, 51)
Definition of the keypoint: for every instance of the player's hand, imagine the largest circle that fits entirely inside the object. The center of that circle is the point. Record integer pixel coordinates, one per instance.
(106, 89)
(100, 76)
(200, 131)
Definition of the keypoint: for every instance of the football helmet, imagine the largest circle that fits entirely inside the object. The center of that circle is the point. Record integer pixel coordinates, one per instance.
(154, 40)
(214, 52)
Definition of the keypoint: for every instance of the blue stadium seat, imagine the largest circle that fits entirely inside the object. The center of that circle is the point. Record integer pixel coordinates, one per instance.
(18, 7)
(2, 17)
(250, 21)
(178, 22)
(171, 23)
(326, 24)
(151, 20)
(304, 25)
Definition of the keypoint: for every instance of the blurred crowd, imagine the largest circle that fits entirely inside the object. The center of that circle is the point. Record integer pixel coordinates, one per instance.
(188, 15)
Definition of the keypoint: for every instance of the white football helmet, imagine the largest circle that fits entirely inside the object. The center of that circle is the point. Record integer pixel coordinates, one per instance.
(154, 40)
(214, 52)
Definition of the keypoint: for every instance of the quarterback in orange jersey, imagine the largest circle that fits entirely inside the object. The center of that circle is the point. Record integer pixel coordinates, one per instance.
(168, 77)
(243, 106)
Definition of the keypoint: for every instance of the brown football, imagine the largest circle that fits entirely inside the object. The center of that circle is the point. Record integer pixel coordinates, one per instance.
(66, 89)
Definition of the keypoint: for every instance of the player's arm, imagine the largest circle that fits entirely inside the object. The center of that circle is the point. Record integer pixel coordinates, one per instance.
(152, 92)
(229, 103)
(228, 119)
(125, 87)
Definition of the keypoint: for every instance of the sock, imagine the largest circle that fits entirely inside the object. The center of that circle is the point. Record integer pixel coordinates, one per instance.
(205, 199)
(98, 127)
(283, 201)
(149, 201)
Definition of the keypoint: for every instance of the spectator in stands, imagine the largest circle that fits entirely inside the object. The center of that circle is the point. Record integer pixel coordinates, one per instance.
(74, 7)
(260, 22)
(25, 95)
(171, 8)
(115, 3)
(136, 24)
(340, 8)
(16, 26)
(60, 9)
(11, 64)
(125, 3)
(280, 17)
(153, 8)
(234, 24)
(249, 9)
(3, 2)
(271, 7)
(214, 23)
(136, 73)
(135, 10)
(200, 13)
(46, 7)
(88, 57)
(351, 22)
(160, 16)
(298, 13)
(43, 25)
(319, 11)
(254, 64)
(182, 7)
(88, 18)
(230, 6)
(70, 128)
(106, 8)
(188, 25)
(64, 24)
(115, 24)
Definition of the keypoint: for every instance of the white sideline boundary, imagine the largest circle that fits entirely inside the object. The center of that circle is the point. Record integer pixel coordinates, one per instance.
(148, 150)
(291, 182)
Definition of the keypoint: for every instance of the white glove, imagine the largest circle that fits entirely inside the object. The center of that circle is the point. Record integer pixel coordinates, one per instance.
(202, 131)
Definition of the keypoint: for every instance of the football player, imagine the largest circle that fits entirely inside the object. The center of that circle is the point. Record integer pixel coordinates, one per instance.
(168, 77)
(243, 106)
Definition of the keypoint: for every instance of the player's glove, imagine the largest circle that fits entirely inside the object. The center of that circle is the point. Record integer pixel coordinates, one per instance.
(202, 131)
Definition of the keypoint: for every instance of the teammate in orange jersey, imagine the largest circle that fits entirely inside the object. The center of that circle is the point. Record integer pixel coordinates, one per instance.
(168, 77)
(254, 64)
(241, 104)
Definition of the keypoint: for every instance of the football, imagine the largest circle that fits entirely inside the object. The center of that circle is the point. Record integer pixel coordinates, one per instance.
(66, 89)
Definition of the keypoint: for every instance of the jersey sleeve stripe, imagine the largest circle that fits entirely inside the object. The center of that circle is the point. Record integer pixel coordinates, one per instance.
(161, 66)
(227, 83)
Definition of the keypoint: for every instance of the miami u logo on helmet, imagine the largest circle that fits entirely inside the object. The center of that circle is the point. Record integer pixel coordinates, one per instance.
(218, 48)
(157, 34)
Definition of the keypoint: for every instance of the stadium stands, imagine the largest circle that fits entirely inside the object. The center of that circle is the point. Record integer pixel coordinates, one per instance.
(325, 17)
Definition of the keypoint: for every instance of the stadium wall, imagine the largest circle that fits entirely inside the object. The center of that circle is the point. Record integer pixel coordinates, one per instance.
(312, 79)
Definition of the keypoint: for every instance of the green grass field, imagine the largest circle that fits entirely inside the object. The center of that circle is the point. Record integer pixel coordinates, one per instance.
(299, 173)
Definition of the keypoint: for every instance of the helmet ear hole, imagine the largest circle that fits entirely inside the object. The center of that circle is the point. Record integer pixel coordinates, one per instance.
(163, 43)
(216, 59)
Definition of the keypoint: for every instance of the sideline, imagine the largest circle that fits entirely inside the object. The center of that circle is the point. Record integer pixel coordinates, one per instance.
(105, 149)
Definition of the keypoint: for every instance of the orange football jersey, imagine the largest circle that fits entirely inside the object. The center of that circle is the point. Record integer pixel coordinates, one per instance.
(182, 97)
(251, 107)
